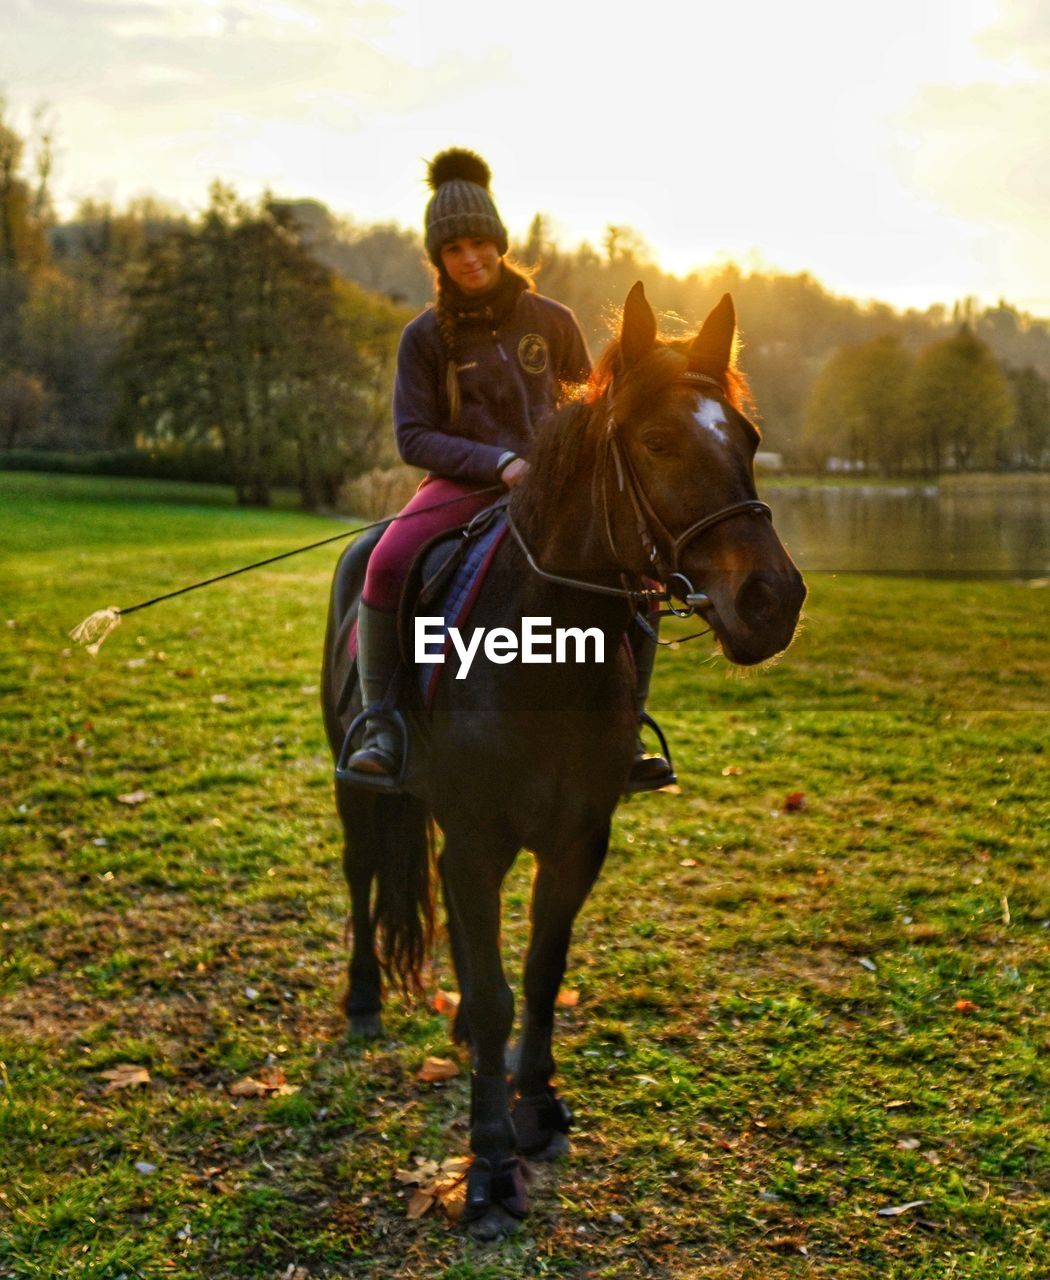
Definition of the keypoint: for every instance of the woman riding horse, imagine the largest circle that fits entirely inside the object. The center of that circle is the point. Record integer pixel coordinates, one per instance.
(475, 374)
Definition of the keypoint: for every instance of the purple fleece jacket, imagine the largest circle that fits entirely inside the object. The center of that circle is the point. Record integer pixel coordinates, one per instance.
(509, 378)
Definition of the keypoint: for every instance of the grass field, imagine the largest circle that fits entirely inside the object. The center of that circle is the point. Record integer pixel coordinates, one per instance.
(788, 1019)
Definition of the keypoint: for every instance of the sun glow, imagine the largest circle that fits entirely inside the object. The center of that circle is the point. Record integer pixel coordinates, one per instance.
(892, 151)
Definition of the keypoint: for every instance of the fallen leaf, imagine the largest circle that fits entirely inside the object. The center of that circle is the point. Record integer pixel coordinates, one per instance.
(436, 1069)
(965, 1006)
(908, 1144)
(567, 998)
(125, 1075)
(220, 698)
(455, 1200)
(420, 1203)
(732, 771)
(687, 862)
(870, 965)
(133, 797)
(144, 1166)
(795, 801)
(446, 1002)
(894, 1103)
(894, 1211)
(249, 1087)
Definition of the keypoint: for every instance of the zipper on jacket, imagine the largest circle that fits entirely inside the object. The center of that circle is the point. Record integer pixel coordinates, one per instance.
(499, 347)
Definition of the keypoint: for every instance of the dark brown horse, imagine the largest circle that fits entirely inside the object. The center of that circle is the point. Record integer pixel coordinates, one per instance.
(652, 476)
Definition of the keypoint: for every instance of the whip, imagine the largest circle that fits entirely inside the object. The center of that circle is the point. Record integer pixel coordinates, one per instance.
(93, 631)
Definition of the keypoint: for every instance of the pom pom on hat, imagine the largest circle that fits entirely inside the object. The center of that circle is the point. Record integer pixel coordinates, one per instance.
(458, 164)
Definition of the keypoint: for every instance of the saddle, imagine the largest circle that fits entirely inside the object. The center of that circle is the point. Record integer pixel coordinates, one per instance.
(444, 581)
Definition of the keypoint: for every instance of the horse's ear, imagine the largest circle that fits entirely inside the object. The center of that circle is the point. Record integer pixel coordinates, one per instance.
(712, 347)
(638, 332)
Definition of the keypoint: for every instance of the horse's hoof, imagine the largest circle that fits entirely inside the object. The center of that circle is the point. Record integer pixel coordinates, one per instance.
(365, 1026)
(541, 1125)
(494, 1225)
(497, 1199)
(558, 1146)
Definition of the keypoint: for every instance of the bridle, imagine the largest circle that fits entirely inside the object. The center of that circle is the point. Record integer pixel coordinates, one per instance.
(646, 520)
(614, 458)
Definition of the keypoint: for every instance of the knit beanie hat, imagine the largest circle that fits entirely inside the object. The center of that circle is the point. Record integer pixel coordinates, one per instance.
(461, 204)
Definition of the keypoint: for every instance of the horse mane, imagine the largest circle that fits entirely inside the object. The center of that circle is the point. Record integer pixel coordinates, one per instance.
(654, 375)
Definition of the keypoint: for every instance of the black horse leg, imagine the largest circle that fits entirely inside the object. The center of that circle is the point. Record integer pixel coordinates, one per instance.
(460, 1024)
(473, 873)
(363, 1000)
(564, 880)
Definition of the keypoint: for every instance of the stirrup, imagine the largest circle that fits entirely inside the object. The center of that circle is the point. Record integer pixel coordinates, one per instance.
(393, 781)
(661, 773)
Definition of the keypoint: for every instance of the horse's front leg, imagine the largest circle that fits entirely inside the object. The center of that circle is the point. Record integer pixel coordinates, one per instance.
(363, 1000)
(473, 872)
(565, 878)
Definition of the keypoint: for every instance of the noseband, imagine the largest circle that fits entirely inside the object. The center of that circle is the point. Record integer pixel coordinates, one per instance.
(647, 522)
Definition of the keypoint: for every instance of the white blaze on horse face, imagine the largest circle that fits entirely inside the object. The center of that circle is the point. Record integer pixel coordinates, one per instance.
(711, 416)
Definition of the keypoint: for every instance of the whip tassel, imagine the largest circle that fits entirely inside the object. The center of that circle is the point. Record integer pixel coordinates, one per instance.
(93, 630)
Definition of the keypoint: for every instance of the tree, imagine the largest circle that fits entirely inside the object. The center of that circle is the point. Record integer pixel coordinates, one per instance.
(238, 336)
(858, 407)
(1027, 442)
(960, 402)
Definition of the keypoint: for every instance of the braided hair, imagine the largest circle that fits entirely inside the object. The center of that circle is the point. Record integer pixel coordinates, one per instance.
(447, 327)
(450, 309)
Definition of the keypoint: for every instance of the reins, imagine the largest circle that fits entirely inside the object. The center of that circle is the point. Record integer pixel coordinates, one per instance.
(94, 629)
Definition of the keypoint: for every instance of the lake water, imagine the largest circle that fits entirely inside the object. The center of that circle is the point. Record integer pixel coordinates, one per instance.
(922, 529)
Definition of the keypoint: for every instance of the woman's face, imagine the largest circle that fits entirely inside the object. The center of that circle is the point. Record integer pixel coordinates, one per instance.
(471, 263)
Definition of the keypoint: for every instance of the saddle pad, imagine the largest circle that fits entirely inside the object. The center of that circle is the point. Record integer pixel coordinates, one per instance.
(456, 602)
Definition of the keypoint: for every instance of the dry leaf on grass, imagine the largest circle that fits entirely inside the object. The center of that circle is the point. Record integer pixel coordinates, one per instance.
(269, 1084)
(249, 1088)
(442, 1184)
(568, 999)
(437, 1069)
(125, 1075)
(133, 797)
(795, 801)
(420, 1203)
(965, 1006)
(446, 1002)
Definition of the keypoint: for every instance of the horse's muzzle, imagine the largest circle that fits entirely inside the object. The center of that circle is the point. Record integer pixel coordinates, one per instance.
(757, 618)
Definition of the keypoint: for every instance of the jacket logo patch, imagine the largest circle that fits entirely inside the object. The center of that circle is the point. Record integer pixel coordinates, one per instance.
(533, 353)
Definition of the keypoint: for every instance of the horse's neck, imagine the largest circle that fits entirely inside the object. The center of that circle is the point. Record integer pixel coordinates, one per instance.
(559, 512)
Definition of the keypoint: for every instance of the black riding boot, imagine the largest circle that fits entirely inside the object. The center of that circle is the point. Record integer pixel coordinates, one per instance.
(377, 661)
(648, 772)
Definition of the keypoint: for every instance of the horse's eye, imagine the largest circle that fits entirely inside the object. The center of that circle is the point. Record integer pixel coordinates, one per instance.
(656, 442)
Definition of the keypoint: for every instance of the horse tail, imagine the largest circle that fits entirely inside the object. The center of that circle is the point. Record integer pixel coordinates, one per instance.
(403, 914)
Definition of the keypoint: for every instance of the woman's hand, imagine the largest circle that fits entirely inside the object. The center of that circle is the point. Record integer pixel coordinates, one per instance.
(514, 472)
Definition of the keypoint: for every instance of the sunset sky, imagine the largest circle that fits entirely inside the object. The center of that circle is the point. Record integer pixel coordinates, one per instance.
(896, 151)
